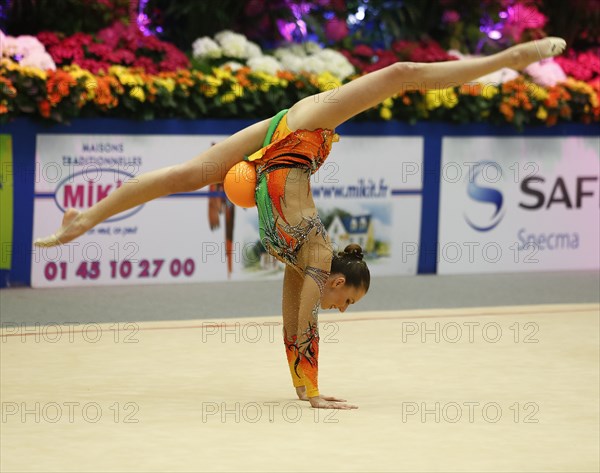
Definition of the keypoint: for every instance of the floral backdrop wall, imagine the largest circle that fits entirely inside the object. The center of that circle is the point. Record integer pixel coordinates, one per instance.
(146, 59)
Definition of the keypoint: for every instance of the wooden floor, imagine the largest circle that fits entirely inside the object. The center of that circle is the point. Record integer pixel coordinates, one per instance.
(490, 389)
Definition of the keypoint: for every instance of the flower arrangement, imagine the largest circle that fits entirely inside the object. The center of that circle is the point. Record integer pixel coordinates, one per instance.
(234, 50)
(70, 92)
(583, 66)
(117, 44)
(25, 50)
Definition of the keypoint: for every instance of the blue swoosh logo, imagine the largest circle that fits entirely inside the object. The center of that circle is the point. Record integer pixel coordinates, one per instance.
(485, 195)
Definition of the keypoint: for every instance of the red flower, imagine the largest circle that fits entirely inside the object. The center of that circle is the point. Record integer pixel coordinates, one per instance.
(48, 38)
(44, 108)
(363, 50)
(336, 29)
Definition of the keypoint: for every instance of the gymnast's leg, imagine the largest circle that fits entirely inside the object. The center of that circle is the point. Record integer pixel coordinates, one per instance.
(332, 108)
(207, 168)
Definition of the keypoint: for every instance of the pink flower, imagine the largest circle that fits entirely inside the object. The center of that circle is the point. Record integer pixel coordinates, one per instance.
(450, 16)
(48, 38)
(547, 73)
(336, 29)
(121, 56)
(100, 50)
(523, 17)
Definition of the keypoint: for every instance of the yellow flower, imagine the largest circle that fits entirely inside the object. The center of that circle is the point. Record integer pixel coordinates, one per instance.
(138, 93)
(221, 73)
(327, 81)
(209, 90)
(433, 99)
(584, 88)
(449, 98)
(33, 72)
(388, 103)
(9, 64)
(488, 91)
(238, 90)
(167, 83)
(228, 97)
(213, 81)
(77, 72)
(537, 92)
(541, 114)
(385, 113)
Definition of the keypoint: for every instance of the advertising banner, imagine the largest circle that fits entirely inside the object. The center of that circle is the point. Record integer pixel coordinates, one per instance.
(368, 192)
(519, 204)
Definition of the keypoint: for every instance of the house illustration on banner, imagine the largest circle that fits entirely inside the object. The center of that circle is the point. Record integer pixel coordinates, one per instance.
(352, 229)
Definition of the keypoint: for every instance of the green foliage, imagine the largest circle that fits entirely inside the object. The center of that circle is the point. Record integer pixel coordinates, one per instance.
(29, 17)
(183, 21)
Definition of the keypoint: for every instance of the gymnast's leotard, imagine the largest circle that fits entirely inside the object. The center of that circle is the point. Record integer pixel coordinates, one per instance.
(291, 230)
(282, 236)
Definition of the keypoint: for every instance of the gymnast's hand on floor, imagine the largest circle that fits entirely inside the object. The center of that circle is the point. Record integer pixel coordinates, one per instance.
(301, 392)
(329, 402)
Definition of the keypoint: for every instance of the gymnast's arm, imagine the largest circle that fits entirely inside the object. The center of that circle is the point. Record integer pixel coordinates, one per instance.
(315, 256)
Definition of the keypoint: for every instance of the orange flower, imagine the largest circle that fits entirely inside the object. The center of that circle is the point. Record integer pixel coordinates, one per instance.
(44, 108)
(406, 100)
(7, 87)
(3, 108)
(285, 75)
(473, 89)
(507, 111)
(59, 83)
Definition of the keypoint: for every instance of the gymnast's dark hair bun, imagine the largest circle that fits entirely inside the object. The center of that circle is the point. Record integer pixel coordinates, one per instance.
(350, 263)
(354, 251)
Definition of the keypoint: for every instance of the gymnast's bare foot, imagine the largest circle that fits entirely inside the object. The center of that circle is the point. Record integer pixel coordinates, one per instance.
(524, 54)
(71, 228)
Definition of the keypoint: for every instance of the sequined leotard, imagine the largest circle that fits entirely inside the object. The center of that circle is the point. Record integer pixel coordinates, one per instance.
(290, 227)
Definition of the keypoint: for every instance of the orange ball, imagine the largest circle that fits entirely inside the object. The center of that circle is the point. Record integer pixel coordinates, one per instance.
(240, 184)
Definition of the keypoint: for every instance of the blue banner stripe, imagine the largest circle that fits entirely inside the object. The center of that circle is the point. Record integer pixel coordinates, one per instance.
(407, 191)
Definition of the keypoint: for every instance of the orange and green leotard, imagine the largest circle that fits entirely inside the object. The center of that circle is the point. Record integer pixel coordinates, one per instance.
(291, 230)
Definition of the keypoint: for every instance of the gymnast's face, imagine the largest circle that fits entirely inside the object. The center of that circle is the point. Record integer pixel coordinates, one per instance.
(339, 295)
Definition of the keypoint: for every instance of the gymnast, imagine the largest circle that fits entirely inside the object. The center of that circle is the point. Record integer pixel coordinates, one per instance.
(298, 141)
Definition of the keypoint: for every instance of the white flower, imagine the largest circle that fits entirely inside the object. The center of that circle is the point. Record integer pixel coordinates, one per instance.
(314, 64)
(312, 48)
(252, 50)
(41, 60)
(292, 63)
(219, 36)
(29, 44)
(266, 64)
(10, 46)
(233, 65)
(336, 62)
(233, 44)
(205, 47)
(2, 40)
